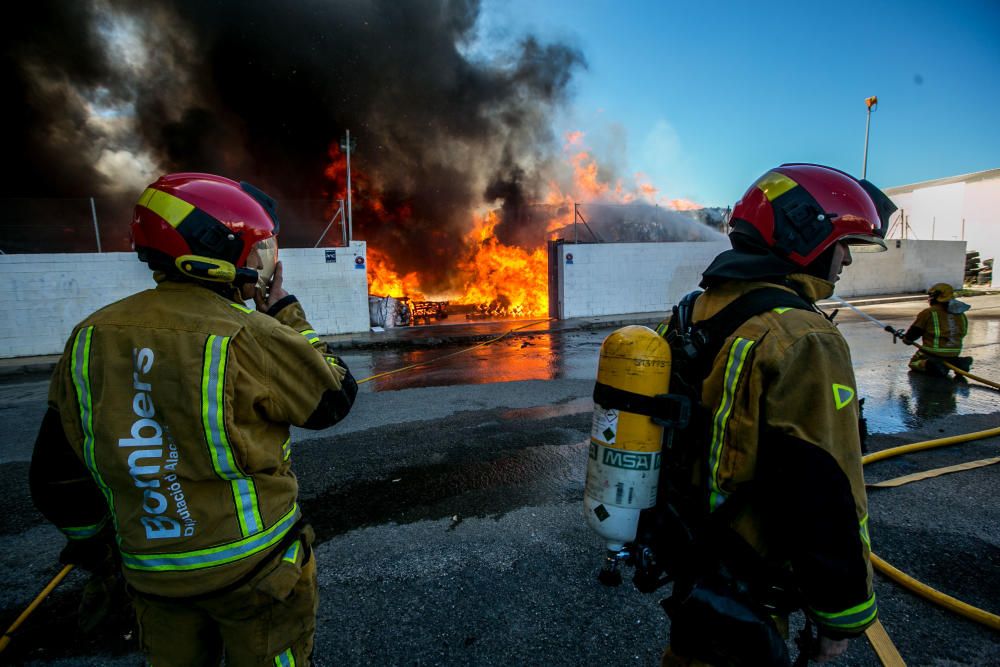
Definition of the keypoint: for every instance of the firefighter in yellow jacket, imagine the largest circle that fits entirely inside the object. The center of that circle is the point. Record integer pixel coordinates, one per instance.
(168, 428)
(782, 447)
(942, 326)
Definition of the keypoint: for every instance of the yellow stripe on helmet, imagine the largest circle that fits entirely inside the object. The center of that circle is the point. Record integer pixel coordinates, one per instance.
(773, 185)
(167, 206)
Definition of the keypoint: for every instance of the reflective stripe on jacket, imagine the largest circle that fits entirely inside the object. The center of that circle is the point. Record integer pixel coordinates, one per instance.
(783, 386)
(179, 402)
(942, 331)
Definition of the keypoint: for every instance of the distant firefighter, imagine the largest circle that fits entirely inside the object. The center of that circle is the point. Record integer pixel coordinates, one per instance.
(943, 327)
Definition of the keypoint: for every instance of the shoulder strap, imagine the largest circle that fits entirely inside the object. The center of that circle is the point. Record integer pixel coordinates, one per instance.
(713, 332)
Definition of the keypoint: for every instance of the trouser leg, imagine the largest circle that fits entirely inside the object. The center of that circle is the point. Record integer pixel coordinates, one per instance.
(176, 634)
(272, 620)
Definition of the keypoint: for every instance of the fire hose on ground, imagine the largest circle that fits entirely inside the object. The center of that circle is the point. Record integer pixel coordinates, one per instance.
(876, 634)
(970, 612)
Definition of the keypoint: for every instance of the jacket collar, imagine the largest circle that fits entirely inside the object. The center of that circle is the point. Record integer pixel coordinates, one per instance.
(810, 287)
(170, 283)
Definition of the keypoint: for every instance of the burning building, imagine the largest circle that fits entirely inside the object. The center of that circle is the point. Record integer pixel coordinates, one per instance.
(457, 179)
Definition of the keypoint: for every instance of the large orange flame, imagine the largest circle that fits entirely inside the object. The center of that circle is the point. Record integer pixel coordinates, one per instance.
(383, 281)
(500, 280)
(503, 280)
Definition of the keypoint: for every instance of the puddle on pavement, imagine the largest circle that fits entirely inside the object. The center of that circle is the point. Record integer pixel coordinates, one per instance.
(537, 357)
(900, 400)
(897, 400)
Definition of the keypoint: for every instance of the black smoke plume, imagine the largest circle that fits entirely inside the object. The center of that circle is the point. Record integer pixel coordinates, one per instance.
(103, 96)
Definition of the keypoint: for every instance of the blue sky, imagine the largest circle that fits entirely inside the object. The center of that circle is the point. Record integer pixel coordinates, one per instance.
(704, 97)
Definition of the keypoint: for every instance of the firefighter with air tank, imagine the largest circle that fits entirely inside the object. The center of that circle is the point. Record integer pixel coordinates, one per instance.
(760, 505)
(168, 433)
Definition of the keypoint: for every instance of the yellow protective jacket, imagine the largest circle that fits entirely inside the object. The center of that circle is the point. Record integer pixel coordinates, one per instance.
(941, 330)
(178, 403)
(782, 401)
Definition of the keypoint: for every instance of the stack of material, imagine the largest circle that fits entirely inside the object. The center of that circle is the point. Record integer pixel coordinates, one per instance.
(387, 312)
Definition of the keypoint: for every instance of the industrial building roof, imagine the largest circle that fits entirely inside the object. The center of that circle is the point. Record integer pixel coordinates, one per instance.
(962, 178)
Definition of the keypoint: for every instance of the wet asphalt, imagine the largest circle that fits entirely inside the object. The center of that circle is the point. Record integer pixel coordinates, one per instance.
(449, 523)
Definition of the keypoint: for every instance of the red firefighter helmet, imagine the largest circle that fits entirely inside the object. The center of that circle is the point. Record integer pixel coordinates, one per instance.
(800, 210)
(204, 226)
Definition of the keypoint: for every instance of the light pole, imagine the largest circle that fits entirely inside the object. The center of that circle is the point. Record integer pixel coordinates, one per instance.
(872, 104)
(347, 145)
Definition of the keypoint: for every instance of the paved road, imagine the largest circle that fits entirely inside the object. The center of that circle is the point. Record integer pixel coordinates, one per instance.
(448, 512)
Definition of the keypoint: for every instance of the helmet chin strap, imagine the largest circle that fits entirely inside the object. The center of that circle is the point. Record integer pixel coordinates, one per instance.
(820, 267)
(245, 276)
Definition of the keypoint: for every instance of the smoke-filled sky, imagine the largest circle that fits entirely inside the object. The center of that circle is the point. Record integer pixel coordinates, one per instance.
(458, 106)
(115, 92)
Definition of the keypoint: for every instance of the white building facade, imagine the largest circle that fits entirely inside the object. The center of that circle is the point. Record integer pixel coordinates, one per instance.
(959, 208)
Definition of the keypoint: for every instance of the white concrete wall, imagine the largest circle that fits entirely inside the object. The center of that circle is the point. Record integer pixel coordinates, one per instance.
(45, 296)
(907, 266)
(334, 294)
(618, 278)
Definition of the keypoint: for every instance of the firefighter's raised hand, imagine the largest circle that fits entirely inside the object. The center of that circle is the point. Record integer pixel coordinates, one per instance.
(275, 291)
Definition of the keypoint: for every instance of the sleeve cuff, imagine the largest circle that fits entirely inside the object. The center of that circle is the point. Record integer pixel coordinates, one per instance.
(849, 622)
(83, 532)
(280, 305)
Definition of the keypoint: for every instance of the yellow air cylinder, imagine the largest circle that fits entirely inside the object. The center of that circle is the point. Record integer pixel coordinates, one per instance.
(624, 465)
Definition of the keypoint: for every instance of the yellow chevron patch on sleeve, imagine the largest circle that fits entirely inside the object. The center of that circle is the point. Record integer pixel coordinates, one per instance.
(842, 396)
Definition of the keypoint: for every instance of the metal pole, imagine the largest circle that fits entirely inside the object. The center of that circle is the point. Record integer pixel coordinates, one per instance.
(576, 214)
(329, 224)
(97, 232)
(343, 227)
(963, 229)
(864, 165)
(350, 216)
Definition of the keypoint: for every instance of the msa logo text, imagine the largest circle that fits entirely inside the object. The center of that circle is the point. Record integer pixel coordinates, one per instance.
(616, 458)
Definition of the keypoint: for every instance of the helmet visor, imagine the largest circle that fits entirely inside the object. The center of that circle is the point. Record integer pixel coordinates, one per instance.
(267, 253)
(864, 243)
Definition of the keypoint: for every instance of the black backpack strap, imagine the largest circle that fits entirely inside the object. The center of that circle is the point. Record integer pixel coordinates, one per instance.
(667, 410)
(709, 335)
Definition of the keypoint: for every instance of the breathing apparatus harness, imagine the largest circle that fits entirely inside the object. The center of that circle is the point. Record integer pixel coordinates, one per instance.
(724, 593)
(672, 532)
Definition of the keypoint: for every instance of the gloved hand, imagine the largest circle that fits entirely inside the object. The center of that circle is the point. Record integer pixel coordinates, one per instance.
(275, 292)
(93, 554)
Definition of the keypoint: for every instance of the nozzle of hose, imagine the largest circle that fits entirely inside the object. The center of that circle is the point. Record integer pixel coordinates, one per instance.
(897, 334)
